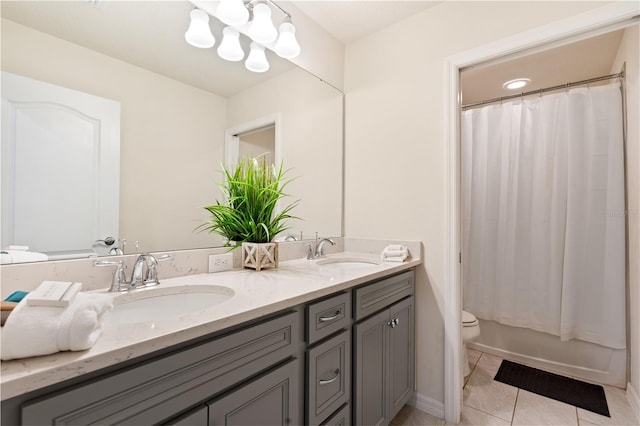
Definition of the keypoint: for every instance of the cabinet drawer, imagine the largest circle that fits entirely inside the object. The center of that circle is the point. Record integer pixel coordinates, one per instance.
(328, 316)
(342, 417)
(374, 297)
(155, 390)
(328, 377)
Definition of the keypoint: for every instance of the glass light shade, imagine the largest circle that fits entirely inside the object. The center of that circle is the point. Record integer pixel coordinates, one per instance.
(261, 28)
(287, 46)
(257, 60)
(230, 48)
(199, 33)
(233, 12)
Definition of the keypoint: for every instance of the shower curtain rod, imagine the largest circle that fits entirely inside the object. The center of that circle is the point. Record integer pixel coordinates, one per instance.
(546, 89)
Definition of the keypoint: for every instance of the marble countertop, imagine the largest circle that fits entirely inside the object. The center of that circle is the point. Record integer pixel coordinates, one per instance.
(255, 294)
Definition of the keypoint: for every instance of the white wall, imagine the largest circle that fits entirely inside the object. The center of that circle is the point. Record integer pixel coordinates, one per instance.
(311, 142)
(396, 152)
(171, 135)
(628, 52)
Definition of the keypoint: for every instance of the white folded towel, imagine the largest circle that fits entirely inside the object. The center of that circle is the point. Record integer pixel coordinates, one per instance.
(42, 330)
(21, 256)
(395, 253)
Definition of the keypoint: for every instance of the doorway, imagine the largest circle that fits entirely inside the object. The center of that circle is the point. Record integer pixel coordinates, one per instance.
(608, 18)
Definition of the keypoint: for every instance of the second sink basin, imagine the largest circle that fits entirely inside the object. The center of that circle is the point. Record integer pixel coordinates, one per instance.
(160, 303)
(346, 263)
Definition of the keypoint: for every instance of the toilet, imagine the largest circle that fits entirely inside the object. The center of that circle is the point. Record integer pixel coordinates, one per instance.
(470, 330)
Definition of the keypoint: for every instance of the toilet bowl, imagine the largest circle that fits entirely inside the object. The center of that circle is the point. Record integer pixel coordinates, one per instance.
(470, 330)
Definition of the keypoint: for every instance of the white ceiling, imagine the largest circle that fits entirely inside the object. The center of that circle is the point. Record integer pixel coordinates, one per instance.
(150, 34)
(577, 61)
(350, 20)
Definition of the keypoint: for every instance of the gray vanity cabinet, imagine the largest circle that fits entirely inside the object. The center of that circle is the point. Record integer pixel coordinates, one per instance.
(315, 364)
(383, 350)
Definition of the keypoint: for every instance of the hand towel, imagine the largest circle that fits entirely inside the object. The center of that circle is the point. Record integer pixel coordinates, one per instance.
(21, 256)
(42, 330)
(395, 253)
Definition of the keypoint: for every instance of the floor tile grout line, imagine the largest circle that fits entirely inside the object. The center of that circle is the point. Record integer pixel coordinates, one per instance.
(515, 403)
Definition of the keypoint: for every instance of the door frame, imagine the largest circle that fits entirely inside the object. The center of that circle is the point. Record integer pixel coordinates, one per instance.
(231, 137)
(588, 24)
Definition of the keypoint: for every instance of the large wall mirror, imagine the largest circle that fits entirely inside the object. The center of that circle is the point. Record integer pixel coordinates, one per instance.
(177, 105)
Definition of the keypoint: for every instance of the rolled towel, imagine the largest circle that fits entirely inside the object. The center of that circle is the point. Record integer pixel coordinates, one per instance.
(395, 253)
(42, 330)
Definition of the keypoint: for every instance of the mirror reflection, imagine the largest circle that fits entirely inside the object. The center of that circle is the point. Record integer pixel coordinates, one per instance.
(179, 107)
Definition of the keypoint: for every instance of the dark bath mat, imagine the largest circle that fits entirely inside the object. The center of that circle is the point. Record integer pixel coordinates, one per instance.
(575, 392)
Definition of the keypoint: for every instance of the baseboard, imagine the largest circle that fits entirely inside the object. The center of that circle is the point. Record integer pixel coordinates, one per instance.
(428, 405)
(634, 400)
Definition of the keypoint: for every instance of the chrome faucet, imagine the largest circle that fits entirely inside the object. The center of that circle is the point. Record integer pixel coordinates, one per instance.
(138, 276)
(316, 251)
(320, 247)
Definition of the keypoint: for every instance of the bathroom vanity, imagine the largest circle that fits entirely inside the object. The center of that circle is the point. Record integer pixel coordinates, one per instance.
(337, 349)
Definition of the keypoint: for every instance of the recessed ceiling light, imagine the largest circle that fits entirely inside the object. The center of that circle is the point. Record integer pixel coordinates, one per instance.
(516, 83)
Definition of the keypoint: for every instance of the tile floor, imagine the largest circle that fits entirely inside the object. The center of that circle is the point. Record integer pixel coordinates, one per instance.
(487, 402)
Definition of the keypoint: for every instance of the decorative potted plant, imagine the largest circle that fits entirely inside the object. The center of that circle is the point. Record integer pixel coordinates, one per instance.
(249, 215)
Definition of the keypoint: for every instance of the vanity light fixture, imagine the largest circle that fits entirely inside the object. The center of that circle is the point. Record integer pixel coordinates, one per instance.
(257, 60)
(199, 33)
(233, 12)
(230, 48)
(236, 14)
(287, 46)
(517, 83)
(262, 29)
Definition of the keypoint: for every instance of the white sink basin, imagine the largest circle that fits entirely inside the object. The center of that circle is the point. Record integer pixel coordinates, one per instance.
(346, 263)
(160, 303)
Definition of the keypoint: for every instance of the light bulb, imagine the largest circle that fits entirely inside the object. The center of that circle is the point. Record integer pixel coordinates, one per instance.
(230, 48)
(199, 33)
(261, 28)
(233, 12)
(257, 60)
(287, 46)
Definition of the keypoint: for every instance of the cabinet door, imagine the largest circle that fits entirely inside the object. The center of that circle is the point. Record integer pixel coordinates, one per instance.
(271, 399)
(370, 370)
(400, 379)
(329, 376)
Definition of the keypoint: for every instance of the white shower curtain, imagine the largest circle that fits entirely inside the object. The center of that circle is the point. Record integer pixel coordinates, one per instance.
(543, 214)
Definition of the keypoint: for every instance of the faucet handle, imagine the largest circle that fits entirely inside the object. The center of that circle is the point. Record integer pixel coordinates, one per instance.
(309, 248)
(119, 282)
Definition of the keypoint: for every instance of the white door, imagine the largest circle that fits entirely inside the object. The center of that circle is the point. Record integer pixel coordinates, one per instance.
(60, 168)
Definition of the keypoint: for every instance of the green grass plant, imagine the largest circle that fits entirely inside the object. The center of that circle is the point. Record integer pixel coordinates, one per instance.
(250, 210)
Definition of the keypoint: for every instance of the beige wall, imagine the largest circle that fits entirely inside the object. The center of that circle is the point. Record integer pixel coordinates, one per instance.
(628, 52)
(396, 152)
(311, 143)
(171, 135)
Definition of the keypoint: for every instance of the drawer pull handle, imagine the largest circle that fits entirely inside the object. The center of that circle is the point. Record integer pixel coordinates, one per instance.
(331, 380)
(331, 318)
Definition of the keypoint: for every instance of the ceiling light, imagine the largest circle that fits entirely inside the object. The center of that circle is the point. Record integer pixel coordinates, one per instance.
(257, 60)
(199, 33)
(287, 46)
(261, 31)
(261, 28)
(230, 48)
(233, 12)
(517, 83)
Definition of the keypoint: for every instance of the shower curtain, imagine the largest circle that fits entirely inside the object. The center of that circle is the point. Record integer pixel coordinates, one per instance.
(543, 214)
